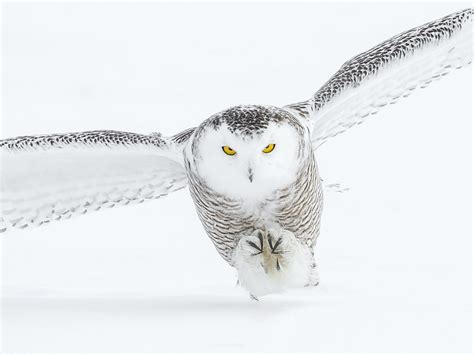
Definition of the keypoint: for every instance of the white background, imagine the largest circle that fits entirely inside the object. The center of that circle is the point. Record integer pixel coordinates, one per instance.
(394, 251)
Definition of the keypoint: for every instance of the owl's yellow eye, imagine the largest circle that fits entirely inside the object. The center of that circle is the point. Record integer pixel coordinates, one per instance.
(228, 150)
(269, 148)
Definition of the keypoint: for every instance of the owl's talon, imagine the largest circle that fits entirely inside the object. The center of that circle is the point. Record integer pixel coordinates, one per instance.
(273, 260)
(252, 244)
(274, 247)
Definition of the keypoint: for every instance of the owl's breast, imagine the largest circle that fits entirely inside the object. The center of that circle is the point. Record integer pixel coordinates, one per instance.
(296, 208)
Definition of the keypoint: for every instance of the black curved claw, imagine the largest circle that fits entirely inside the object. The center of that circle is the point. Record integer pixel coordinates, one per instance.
(274, 247)
(253, 245)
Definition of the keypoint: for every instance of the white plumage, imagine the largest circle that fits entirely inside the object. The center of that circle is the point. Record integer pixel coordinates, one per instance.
(46, 181)
(266, 222)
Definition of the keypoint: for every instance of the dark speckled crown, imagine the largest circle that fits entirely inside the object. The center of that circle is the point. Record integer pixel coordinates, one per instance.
(250, 119)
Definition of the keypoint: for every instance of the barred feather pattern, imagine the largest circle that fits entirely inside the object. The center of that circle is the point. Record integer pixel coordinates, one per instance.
(225, 220)
(403, 63)
(106, 138)
(46, 178)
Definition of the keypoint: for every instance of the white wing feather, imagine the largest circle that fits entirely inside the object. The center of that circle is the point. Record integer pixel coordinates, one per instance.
(47, 178)
(384, 74)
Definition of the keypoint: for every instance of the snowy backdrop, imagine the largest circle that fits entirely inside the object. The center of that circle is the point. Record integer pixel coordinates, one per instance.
(394, 251)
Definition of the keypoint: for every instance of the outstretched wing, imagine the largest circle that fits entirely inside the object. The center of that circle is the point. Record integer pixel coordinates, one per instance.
(53, 177)
(384, 74)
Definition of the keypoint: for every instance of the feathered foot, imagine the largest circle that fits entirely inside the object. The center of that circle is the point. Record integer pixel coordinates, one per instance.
(272, 261)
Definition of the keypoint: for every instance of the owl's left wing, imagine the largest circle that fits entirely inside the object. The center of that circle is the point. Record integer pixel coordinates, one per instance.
(384, 74)
(53, 177)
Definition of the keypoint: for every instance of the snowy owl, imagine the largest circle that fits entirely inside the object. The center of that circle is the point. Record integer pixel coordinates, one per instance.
(251, 169)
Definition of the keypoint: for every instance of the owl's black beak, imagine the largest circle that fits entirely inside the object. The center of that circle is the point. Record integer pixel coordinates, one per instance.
(250, 175)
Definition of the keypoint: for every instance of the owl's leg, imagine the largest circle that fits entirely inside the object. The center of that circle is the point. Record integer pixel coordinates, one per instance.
(313, 276)
(272, 261)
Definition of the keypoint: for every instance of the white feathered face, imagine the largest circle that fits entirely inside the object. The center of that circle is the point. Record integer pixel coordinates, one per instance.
(249, 165)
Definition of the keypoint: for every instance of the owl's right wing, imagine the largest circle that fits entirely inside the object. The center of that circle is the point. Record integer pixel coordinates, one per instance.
(53, 177)
(388, 72)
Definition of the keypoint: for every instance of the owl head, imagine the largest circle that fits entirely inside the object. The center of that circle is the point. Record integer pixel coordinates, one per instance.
(249, 151)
